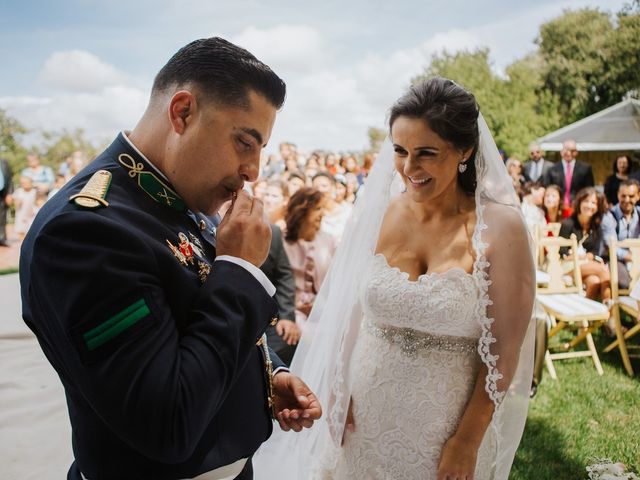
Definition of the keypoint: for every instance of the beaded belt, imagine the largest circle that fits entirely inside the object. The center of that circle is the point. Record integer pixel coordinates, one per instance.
(413, 341)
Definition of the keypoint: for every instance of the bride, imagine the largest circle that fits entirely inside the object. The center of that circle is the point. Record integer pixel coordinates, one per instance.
(420, 344)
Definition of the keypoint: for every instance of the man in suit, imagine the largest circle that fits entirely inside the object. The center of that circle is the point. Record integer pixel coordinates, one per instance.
(569, 174)
(284, 335)
(536, 167)
(153, 316)
(6, 187)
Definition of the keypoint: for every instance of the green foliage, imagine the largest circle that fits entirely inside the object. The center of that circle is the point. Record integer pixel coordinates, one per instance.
(60, 145)
(376, 137)
(10, 147)
(585, 62)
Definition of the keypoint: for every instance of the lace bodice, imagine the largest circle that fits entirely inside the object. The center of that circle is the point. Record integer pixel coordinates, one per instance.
(436, 303)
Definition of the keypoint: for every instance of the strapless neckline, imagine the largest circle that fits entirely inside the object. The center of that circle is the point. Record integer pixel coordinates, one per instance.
(455, 271)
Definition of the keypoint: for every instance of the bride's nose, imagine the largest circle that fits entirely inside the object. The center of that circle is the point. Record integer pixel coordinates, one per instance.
(409, 166)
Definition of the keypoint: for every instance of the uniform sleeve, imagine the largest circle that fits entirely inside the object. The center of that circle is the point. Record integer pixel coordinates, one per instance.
(105, 317)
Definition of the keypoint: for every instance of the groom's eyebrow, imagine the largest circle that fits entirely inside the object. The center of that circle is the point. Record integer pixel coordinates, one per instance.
(255, 134)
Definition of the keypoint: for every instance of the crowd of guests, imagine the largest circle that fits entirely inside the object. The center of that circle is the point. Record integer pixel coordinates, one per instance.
(308, 200)
(37, 183)
(564, 194)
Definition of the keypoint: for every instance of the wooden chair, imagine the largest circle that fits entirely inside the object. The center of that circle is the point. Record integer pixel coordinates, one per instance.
(622, 300)
(567, 306)
(543, 231)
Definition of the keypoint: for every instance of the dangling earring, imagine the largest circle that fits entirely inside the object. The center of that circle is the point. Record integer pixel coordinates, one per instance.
(462, 167)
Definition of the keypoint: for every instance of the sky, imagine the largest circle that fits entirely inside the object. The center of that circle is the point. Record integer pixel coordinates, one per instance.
(90, 64)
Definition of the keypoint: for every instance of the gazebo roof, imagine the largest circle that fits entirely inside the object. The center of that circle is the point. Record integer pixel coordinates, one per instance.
(613, 129)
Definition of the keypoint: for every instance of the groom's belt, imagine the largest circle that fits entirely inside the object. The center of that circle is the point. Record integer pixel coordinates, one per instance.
(227, 472)
(412, 341)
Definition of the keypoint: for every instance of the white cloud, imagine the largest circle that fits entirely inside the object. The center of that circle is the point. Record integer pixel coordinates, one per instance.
(294, 48)
(101, 114)
(79, 71)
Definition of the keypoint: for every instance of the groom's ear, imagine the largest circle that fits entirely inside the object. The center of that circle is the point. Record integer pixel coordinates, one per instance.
(181, 110)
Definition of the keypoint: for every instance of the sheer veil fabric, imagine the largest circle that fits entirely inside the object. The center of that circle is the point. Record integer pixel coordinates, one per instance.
(505, 347)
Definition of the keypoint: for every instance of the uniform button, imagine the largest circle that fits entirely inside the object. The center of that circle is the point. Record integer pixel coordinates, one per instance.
(203, 225)
(274, 320)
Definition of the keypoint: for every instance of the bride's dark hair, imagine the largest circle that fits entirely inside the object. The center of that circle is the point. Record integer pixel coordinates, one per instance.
(451, 112)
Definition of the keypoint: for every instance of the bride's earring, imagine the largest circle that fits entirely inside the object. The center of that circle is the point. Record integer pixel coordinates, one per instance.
(462, 167)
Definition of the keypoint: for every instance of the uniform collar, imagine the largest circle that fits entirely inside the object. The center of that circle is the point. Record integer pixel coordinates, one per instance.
(147, 176)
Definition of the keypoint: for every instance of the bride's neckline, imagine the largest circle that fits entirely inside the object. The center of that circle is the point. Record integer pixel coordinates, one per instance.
(427, 275)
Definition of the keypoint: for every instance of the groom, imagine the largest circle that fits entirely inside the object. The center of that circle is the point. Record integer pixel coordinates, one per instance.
(152, 317)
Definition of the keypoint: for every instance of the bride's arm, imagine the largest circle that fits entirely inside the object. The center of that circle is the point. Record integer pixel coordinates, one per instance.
(511, 292)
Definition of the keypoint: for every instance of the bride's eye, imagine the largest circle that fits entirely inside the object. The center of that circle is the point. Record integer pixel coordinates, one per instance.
(400, 151)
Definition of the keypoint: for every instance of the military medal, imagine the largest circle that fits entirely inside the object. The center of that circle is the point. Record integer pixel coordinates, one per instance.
(185, 247)
(177, 253)
(203, 270)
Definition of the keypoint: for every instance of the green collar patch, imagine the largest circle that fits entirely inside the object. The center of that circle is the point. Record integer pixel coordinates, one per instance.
(151, 183)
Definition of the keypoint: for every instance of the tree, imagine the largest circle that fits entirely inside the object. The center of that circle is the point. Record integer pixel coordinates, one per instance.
(376, 137)
(60, 145)
(10, 147)
(623, 54)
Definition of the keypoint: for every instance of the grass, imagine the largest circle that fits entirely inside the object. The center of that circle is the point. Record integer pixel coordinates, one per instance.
(581, 417)
(9, 270)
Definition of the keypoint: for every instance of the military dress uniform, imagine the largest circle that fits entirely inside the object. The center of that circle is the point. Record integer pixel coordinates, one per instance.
(157, 342)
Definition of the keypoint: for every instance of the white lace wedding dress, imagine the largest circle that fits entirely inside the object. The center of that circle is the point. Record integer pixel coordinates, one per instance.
(414, 370)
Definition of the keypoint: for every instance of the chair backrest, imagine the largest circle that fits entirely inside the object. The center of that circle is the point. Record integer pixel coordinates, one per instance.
(633, 245)
(556, 266)
(543, 231)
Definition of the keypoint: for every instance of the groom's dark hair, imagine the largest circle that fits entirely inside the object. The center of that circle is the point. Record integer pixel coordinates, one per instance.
(451, 112)
(222, 72)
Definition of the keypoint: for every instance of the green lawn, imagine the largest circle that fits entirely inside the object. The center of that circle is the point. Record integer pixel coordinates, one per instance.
(7, 271)
(579, 417)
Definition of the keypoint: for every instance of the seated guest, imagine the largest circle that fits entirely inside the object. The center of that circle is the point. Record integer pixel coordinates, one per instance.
(309, 250)
(588, 209)
(622, 222)
(621, 171)
(533, 196)
(275, 200)
(554, 213)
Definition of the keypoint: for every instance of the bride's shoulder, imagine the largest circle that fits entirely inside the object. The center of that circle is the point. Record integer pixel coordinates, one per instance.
(504, 225)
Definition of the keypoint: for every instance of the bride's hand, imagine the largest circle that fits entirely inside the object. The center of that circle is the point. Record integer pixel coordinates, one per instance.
(349, 425)
(458, 460)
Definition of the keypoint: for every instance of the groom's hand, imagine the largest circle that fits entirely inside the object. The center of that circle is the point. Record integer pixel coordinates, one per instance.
(243, 232)
(296, 405)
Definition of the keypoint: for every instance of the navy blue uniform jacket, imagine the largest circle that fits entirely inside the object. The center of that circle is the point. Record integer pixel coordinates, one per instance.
(158, 359)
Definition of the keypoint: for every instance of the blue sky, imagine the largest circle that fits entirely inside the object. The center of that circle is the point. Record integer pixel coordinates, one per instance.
(89, 64)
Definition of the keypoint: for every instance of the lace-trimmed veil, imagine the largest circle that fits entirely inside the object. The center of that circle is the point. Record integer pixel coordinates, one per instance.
(323, 355)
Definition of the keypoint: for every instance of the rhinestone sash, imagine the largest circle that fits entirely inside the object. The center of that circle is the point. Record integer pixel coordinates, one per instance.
(412, 341)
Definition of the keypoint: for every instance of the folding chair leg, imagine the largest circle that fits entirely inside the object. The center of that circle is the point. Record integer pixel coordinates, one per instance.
(594, 354)
(549, 363)
(620, 343)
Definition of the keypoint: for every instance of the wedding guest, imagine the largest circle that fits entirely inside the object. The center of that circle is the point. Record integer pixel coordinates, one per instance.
(536, 167)
(60, 182)
(296, 181)
(621, 169)
(553, 210)
(272, 167)
(367, 165)
(588, 209)
(41, 176)
(331, 164)
(337, 209)
(25, 202)
(284, 335)
(259, 188)
(570, 174)
(352, 187)
(514, 167)
(275, 200)
(309, 249)
(622, 222)
(6, 188)
(533, 196)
